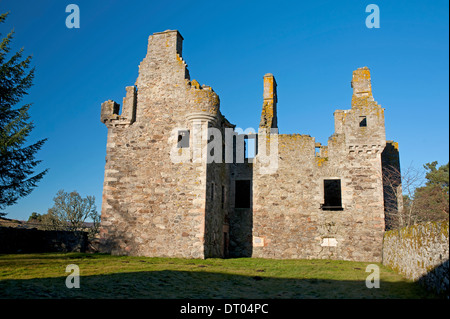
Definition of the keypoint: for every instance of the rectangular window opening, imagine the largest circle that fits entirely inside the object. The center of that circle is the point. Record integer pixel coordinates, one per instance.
(332, 194)
(223, 152)
(250, 146)
(183, 139)
(362, 121)
(242, 194)
(223, 197)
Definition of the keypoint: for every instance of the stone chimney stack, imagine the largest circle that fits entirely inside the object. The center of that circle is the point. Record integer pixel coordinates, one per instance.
(165, 44)
(362, 87)
(269, 111)
(361, 82)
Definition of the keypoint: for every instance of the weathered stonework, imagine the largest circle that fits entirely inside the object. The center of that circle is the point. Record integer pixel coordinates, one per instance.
(193, 207)
(420, 252)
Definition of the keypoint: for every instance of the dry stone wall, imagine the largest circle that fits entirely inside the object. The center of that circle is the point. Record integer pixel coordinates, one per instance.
(16, 240)
(420, 252)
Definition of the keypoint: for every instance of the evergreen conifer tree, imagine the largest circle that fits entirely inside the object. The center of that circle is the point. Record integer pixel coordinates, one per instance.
(17, 161)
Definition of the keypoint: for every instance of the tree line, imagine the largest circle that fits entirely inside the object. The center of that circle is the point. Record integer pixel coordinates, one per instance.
(416, 195)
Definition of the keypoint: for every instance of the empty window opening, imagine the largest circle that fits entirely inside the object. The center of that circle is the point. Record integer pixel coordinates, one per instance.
(242, 194)
(211, 150)
(362, 121)
(332, 194)
(183, 139)
(250, 146)
(317, 150)
(223, 152)
(223, 197)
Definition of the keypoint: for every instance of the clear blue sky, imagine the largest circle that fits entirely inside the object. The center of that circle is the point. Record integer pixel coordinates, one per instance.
(311, 47)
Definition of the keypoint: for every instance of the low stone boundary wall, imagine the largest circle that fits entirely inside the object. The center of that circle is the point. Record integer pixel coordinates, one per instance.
(17, 240)
(421, 253)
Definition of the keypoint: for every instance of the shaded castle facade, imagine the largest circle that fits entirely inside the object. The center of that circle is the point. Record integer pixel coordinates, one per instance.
(167, 193)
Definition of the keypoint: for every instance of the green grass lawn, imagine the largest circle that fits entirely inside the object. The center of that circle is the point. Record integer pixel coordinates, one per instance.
(105, 276)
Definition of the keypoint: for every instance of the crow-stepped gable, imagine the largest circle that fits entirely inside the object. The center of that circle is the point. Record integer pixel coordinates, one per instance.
(178, 182)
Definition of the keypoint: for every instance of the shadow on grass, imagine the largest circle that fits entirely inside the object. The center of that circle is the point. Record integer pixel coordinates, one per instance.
(204, 285)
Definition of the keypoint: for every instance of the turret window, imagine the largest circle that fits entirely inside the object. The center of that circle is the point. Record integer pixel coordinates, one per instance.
(183, 139)
(362, 121)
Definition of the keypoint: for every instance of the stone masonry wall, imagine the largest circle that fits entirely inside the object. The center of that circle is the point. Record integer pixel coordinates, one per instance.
(163, 197)
(153, 206)
(288, 220)
(420, 252)
(217, 207)
(241, 219)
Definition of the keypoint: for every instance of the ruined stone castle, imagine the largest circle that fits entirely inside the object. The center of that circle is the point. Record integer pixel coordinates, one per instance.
(167, 193)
